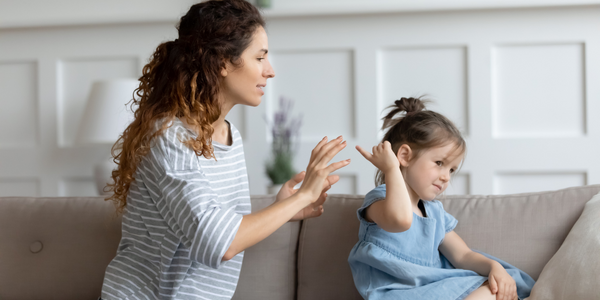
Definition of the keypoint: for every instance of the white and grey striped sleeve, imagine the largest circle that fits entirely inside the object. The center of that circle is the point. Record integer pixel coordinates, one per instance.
(193, 209)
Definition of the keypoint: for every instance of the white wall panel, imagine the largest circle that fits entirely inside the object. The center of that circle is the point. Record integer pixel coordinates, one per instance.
(18, 102)
(346, 185)
(78, 187)
(237, 116)
(19, 187)
(539, 90)
(75, 81)
(459, 185)
(535, 182)
(439, 73)
(321, 84)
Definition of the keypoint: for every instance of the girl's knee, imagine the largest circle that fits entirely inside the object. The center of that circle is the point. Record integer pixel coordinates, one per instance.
(482, 293)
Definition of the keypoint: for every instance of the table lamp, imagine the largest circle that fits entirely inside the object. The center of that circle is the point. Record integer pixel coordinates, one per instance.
(105, 118)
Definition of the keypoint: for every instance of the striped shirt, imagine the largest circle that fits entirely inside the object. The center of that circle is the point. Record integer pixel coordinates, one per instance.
(182, 213)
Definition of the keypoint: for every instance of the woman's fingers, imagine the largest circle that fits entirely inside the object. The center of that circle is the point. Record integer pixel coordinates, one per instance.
(296, 179)
(331, 180)
(324, 150)
(336, 166)
(319, 145)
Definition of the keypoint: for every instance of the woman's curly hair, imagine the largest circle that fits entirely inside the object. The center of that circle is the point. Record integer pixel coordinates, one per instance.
(182, 80)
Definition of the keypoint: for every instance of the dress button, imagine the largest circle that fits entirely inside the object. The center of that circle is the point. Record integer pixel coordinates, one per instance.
(36, 247)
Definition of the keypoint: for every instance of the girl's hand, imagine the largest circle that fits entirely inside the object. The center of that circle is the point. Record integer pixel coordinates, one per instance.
(383, 157)
(317, 179)
(314, 209)
(502, 284)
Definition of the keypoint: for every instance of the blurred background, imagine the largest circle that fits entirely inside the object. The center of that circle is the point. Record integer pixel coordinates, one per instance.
(519, 78)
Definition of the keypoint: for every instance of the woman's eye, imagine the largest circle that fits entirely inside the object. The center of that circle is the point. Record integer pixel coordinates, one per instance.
(439, 163)
(260, 58)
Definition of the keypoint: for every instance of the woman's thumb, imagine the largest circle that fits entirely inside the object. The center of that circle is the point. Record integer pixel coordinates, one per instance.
(493, 284)
(297, 178)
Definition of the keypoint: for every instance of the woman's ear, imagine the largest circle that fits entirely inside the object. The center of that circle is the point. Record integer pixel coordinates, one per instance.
(404, 155)
(224, 72)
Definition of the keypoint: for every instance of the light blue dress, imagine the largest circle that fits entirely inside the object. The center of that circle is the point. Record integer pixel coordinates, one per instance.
(409, 265)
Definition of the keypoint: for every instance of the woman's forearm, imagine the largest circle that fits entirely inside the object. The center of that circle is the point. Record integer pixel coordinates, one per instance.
(257, 226)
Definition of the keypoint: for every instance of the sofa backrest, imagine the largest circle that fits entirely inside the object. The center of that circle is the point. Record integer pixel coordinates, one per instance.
(524, 230)
(56, 248)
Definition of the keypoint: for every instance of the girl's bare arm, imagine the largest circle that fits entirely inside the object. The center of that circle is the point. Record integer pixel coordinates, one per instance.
(394, 213)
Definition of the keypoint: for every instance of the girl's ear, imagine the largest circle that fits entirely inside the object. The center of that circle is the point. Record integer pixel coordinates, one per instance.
(404, 155)
(224, 72)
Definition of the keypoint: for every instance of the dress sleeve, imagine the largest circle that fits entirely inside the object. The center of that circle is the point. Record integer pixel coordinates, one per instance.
(190, 206)
(449, 220)
(371, 197)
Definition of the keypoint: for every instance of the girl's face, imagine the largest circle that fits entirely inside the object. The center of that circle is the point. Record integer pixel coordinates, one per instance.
(428, 175)
(244, 85)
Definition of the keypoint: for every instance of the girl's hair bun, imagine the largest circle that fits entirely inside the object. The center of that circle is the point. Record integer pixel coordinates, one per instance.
(410, 104)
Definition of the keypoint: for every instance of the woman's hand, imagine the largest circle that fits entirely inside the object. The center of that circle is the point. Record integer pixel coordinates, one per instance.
(317, 179)
(502, 284)
(383, 157)
(314, 209)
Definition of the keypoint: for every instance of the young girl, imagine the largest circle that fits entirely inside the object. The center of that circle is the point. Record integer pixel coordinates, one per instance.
(407, 248)
(181, 181)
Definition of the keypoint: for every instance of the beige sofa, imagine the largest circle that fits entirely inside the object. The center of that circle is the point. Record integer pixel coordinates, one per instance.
(58, 248)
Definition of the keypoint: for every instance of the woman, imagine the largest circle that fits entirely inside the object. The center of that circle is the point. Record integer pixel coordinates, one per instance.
(181, 180)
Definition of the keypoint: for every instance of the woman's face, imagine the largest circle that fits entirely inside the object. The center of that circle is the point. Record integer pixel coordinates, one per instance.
(244, 85)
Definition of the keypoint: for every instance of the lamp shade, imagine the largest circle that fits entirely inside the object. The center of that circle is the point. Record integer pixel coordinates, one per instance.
(106, 115)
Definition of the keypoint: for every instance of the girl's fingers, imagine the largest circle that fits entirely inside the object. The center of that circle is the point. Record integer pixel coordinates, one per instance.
(364, 153)
(493, 285)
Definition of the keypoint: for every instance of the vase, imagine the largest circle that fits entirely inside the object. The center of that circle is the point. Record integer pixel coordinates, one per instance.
(273, 189)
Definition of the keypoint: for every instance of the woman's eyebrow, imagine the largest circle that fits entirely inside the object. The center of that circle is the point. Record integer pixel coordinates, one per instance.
(264, 50)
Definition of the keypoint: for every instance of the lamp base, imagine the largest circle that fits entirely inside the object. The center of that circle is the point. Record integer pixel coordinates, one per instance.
(103, 175)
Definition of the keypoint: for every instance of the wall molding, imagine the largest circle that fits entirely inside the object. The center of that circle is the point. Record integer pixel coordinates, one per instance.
(18, 14)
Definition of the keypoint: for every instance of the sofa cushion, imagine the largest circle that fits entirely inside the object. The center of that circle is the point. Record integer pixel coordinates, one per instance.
(524, 230)
(574, 271)
(56, 248)
(325, 242)
(269, 268)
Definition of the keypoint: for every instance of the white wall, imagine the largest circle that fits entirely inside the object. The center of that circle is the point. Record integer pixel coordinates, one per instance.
(518, 81)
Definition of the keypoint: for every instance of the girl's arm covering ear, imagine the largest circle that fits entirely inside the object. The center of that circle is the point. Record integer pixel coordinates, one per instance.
(394, 213)
(462, 257)
(257, 226)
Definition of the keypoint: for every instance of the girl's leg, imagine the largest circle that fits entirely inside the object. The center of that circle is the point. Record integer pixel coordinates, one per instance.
(482, 293)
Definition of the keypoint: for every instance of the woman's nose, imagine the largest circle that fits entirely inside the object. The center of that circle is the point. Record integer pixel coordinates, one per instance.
(268, 71)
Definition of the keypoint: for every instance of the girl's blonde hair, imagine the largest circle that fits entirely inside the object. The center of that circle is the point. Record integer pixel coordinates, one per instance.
(419, 128)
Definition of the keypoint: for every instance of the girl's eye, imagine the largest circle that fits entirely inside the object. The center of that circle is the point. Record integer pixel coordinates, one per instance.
(260, 58)
(452, 171)
(439, 163)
